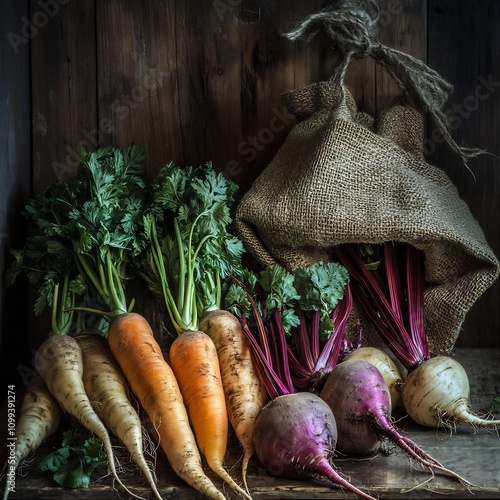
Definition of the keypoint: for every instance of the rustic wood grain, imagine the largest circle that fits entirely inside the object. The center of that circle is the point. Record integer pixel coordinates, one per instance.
(403, 26)
(464, 47)
(63, 89)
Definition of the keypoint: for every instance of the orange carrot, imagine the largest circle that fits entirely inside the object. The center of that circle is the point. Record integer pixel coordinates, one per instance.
(244, 391)
(152, 380)
(183, 266)
(194, 361)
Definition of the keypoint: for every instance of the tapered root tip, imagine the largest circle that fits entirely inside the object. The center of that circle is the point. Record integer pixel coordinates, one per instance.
(244, 470)
(327, 471)
(467, 416)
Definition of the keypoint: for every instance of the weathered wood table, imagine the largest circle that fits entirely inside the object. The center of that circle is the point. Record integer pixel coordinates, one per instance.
(472, 453)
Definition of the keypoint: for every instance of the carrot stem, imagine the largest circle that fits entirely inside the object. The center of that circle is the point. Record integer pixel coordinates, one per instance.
(182, 266)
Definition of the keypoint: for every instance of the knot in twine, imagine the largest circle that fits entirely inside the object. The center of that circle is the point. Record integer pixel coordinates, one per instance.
(351, 27)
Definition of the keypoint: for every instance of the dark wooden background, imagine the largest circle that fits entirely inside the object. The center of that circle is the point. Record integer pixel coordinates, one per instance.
(199, 80)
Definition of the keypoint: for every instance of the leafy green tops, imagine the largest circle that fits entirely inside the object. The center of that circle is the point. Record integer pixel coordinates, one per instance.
(192, 247)
(107, 219)
(82, 234)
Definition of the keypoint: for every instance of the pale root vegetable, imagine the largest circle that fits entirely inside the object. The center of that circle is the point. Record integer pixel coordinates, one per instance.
(195, 363)
(393, 298)
(59, 363)
(360, 401)
(107, 388)
(385, 365)
(244, 391)
(295, 436)
(436, 394)
(153, 382)
(39, 418)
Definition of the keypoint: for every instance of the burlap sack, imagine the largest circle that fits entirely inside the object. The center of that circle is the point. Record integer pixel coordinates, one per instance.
(343, 177)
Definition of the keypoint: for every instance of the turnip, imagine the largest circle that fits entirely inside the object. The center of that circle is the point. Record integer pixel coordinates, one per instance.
(360, 401)
(435, 392)
(295, 436)
(295, 433)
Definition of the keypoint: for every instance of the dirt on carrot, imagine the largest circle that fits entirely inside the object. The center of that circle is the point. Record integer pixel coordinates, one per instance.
(153, 382)
(244, 391)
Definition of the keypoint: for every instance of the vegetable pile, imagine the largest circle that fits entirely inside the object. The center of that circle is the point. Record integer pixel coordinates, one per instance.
(265, 352)
(295, 433)
(436, 390)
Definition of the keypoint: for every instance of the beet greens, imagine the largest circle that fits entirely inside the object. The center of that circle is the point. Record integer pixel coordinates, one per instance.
(436, 390)
(323, 309)
(306, 313)
(295, 434)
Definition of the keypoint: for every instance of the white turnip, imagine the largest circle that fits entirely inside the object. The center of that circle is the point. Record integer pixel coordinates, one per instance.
(360, 401)
(295, 437)
(436, 394)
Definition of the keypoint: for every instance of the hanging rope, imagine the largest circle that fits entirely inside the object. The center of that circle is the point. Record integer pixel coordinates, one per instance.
(351, 27)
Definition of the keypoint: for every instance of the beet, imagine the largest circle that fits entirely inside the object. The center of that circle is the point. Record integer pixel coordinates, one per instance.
(360, 400)
(295, 437)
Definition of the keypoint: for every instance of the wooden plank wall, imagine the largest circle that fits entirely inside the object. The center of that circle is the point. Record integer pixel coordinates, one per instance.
(199, 80)
(464, 46)
(15, 160)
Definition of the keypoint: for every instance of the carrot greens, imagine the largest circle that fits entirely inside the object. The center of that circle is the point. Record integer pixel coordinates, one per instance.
(191, 247)
(106, 220)
(46, 257)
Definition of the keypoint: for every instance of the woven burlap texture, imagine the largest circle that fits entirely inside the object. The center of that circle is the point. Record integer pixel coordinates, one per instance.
(343, 177)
